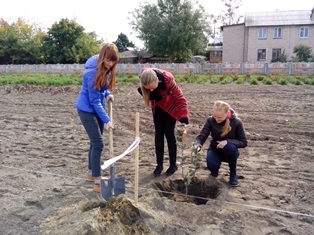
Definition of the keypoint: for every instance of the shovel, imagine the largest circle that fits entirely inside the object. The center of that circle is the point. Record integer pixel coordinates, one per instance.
(113, 186)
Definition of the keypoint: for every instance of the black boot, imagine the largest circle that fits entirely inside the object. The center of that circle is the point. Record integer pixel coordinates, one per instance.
(158, 170)
(233, 180)
(172, 169)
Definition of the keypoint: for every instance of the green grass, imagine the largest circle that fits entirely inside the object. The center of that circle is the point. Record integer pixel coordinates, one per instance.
(41, 79)
(59, 80)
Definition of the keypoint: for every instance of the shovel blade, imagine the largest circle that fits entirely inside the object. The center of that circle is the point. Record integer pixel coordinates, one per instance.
(111, 188)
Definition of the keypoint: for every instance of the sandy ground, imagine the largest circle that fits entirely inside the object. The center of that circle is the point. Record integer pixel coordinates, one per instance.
(43, 153)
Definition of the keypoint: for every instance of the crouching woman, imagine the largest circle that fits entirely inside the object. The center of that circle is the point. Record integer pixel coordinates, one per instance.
(227, 136)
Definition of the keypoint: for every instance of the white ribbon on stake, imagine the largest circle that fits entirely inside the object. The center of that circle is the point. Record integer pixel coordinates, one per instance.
(126, 152)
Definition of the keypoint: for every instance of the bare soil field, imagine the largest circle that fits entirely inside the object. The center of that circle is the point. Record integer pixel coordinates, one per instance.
(43, 164)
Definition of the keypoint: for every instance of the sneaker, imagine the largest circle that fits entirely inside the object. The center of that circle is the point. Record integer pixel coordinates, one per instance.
(233, 181)
(96, 188)
(92, 179)
(171, 170)
(158, 170)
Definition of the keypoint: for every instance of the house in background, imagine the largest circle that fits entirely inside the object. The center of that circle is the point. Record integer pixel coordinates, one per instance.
(264, 36)
(198, 59)
(214, 47)
(128, 57)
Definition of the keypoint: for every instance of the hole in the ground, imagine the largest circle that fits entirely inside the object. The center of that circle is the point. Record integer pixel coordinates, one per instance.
(199, 192)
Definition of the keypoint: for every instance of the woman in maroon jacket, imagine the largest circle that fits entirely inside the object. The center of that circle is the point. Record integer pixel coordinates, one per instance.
(227, 133)
(162, 94)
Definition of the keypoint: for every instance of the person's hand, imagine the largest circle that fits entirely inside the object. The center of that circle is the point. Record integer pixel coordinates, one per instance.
(221, 144)
(183, 125)
(108, 125)
(197, 147)
(181, 133)
(109, 98)
(184, 131)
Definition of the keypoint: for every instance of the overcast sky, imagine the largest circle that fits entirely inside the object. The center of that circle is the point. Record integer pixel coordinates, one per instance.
(109, 18)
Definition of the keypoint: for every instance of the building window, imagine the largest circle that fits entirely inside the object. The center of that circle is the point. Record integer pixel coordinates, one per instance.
(216, 54)
(261, 54)
(277, 32)
(276, 55)
(304, 32)
(262, 33)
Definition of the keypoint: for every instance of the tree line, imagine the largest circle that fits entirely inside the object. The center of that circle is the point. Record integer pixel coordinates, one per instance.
(173, 29)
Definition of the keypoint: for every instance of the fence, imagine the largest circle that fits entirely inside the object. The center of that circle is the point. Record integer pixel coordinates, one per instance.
(201, 68)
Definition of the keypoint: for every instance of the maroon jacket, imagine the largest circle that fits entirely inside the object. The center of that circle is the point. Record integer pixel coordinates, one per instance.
(169, 97)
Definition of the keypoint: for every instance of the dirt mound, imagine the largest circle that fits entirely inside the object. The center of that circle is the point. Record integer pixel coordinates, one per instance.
(117, 216)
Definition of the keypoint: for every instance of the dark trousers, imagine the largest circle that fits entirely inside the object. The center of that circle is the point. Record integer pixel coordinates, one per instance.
(94, 128)
(164, 127)
(229, 154)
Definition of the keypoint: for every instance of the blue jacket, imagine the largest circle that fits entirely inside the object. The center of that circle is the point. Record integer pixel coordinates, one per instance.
(90, 99)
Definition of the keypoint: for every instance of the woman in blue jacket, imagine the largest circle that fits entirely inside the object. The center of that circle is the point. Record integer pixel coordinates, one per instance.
(227, 135)
(98, 79)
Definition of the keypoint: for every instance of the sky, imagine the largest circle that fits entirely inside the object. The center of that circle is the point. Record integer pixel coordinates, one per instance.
(109, 18)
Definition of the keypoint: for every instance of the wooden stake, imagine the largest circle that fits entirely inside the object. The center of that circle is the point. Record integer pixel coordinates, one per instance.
(136, 155)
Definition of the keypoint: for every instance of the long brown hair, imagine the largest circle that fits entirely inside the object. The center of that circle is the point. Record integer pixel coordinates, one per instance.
(110, 52)
(225, 107)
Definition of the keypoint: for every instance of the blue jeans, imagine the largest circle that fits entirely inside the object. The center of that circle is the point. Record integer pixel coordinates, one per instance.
(94, 128)
(229, 154)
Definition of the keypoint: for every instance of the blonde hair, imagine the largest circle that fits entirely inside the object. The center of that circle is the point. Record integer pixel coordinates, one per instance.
(224, 107)
(110, 52)
(147, 77)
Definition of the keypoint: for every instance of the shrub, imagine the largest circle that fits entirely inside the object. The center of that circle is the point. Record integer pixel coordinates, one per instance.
(234, 77)
(193, 79)
(282, 81)
(240, 81)
(214, 80)
(253, 81)
(295, 81)
(227, 80)
(309, 81)
(267, 81)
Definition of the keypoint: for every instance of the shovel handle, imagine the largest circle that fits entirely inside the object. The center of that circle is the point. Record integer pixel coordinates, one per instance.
(110, 131)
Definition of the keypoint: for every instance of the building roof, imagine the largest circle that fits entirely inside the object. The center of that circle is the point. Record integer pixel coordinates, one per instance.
(127, 54)
(300, 17)
(215, 40)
